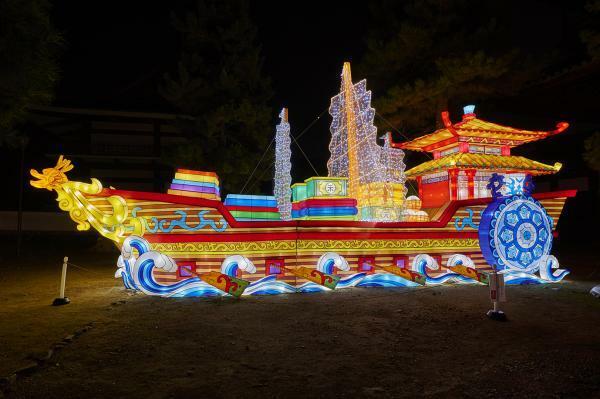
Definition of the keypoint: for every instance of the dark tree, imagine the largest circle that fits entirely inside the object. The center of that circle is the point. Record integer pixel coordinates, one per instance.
(219, 82)
(590, 35)
(29, 49)
(424, 54)
(29, 71)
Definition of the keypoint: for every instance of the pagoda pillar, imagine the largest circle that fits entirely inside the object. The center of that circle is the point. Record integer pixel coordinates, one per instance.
(471, 182)
(453, 183)
(420, 186)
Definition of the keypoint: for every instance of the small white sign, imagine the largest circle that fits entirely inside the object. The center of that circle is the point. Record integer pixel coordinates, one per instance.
(497, 288)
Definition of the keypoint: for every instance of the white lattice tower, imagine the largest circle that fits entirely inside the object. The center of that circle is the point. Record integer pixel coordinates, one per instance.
(392, 160)
(283, 167)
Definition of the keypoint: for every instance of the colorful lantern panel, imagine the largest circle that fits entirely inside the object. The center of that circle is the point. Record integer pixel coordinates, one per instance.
(194, 183)
(323, 198)
(252, 207)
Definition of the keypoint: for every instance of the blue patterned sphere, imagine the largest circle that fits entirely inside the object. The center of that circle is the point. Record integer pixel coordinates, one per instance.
(514, 233)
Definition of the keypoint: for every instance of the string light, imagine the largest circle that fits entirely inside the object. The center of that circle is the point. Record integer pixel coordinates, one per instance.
(283, 167)
(375, 173)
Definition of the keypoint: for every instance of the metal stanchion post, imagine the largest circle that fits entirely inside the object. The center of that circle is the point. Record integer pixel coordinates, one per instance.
(497, 294)
(62, 299)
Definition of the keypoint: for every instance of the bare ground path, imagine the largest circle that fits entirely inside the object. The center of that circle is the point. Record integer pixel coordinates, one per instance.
(432, 342)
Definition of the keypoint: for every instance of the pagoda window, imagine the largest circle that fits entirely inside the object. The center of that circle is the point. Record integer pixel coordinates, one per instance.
(493, 150)
(481, 181)
(476, 149)
(463, 186)
(449, 151)
(435, 177)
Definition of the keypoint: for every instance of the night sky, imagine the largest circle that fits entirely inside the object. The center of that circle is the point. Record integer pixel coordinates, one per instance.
(116, 60)
(117, 52)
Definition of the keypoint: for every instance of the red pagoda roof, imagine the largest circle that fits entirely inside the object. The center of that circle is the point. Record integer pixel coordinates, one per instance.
(476, 131)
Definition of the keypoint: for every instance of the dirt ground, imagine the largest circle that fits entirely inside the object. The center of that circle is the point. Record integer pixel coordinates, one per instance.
(432, 342)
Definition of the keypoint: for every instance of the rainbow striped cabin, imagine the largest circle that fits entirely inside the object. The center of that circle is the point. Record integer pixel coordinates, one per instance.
(194, 183)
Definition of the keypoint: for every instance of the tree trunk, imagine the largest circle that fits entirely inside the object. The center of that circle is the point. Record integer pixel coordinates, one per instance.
(20, 206)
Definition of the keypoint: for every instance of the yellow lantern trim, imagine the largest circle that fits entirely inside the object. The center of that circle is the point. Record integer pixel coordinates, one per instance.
(72, 198)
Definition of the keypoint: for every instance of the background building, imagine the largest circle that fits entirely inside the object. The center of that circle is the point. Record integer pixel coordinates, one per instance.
(121, 149)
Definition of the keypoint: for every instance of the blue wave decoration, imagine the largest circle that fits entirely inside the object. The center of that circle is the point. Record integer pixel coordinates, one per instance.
(555, 278)
(167, 225)
(345, 282)
(141, 277)
(442, 278)
(521, 278)
(208, 291)
(124, 264)
(137, 274)
(385, 280)
(362, 280)
(312, 287)
(149, 284)
(461, 223)
(269, 285)
(350, 281)
(127, 279)
(549, 269)
(230, 269)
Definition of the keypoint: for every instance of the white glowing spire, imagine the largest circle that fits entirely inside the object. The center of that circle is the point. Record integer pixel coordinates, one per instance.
(375, 173)
(354, 148)
(392, 160)
(283, 167)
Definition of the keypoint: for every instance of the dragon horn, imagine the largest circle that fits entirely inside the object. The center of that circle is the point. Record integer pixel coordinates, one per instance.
(35, 173)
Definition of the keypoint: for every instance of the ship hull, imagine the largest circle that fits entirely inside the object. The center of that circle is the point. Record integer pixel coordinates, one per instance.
(201, 236)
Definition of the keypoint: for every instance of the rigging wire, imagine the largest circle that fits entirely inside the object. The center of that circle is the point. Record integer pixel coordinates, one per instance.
(259, 178)
(305, 156)
(297, 144)
(312, 123)
(398, 131)
(257, 165)
(295, 139)
(407, 138)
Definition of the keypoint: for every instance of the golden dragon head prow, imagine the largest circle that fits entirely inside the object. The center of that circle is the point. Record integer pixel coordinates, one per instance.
(52, 178)
(74, 197)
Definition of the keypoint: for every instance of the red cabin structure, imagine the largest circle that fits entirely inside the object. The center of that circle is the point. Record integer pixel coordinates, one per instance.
(466, 153)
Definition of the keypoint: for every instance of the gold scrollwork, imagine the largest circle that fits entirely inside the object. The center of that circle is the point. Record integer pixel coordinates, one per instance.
(447, 243)
(225, 247)
(318, 245)
(72, 198)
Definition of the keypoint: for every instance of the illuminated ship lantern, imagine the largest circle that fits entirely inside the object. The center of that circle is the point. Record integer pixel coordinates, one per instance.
(476, 212)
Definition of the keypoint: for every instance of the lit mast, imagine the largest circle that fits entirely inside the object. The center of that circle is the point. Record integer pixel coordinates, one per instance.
(353, 167)
(283, 167)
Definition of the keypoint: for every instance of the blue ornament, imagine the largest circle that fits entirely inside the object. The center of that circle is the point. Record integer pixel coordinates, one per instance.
(515, 233)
